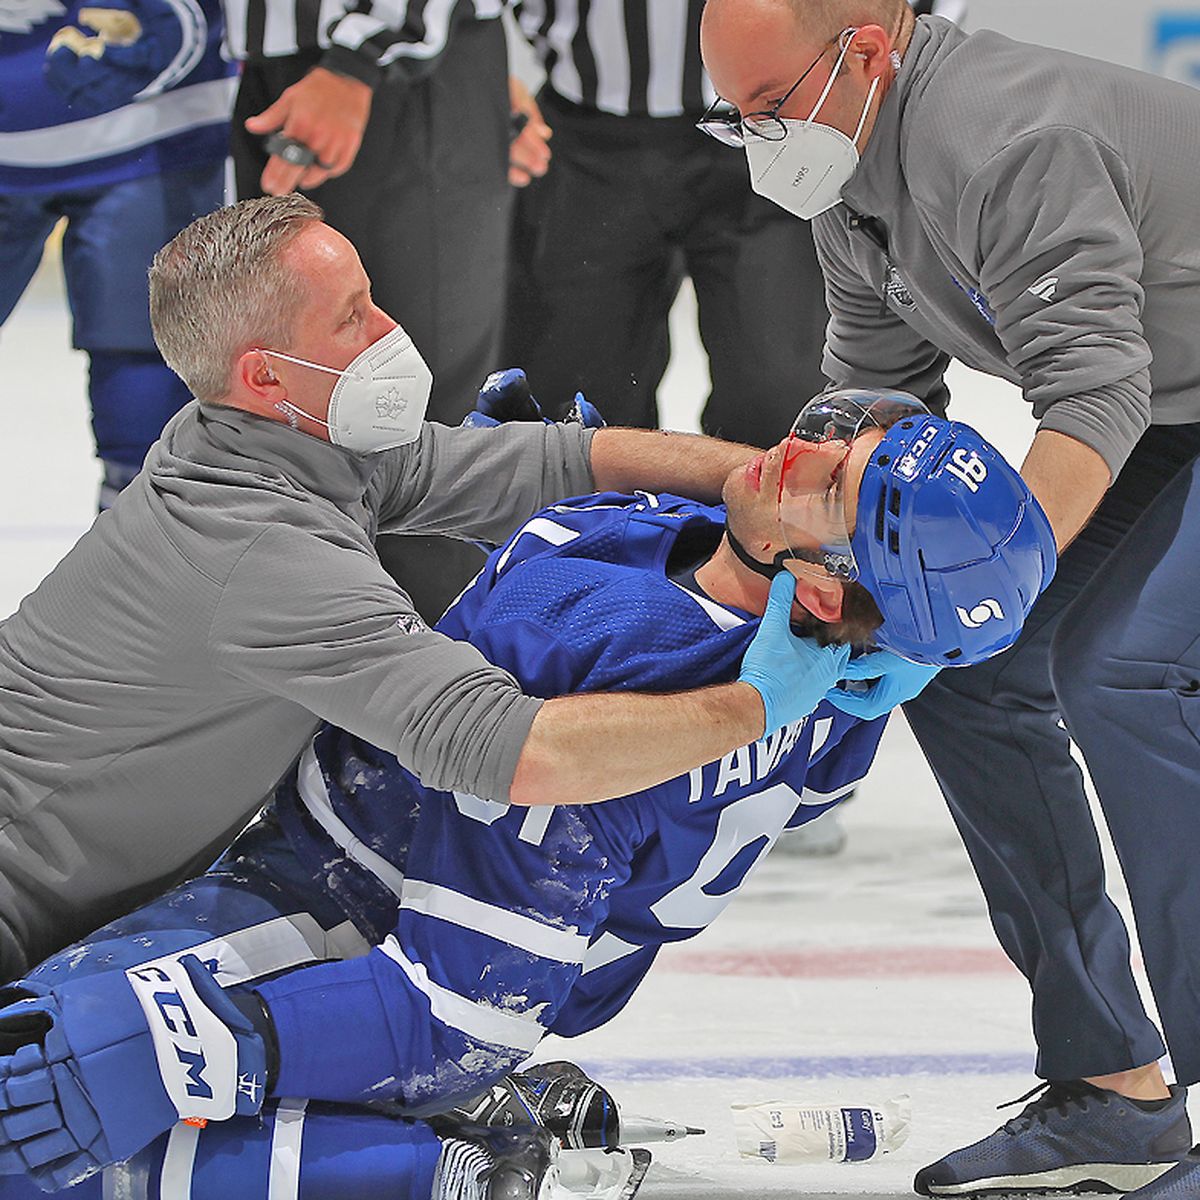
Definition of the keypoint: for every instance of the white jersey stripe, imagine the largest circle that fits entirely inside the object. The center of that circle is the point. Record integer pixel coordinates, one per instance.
(810, 798)
(270, 946)
(175, 1179)
(667, 23)
(135, 125)
(606, 27)
(310, 785)
(540, 527)
(564, 77)
(608, 948)
(497, 1027)
(283, 1182)
(279, 30)
(721, 617)
(355, 28)
(433, 900)
(437, 31)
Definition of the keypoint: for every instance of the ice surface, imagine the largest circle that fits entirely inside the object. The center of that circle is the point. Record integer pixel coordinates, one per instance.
(851, 978)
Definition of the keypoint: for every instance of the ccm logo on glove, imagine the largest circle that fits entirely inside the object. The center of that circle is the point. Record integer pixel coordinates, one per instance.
(197, 1054)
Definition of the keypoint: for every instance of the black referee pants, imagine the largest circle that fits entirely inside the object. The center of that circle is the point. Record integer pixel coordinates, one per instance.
(629, 206)
(427, 205)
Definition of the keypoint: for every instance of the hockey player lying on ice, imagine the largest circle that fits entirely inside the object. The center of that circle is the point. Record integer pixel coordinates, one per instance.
(375, 948)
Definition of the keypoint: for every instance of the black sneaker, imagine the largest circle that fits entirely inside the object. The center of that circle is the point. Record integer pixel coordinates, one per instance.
(1073, 1139)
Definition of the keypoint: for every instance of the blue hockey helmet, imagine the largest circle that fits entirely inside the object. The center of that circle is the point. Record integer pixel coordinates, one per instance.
(948, 539)
(950, 542)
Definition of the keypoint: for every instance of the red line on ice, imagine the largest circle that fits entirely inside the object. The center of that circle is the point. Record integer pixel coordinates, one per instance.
(847, 963)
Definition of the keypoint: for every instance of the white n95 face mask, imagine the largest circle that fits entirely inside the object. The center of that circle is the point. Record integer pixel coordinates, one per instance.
(379, 400)
(805, 171)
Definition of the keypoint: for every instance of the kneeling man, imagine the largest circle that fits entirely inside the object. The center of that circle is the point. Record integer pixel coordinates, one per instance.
(373, 950)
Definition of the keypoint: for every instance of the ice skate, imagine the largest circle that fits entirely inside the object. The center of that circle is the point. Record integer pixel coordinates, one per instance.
(480, 1163)
(489, 1163)
(557, 1096)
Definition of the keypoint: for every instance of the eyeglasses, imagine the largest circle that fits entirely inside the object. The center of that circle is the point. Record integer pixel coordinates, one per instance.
(723, 122)
(812, 514)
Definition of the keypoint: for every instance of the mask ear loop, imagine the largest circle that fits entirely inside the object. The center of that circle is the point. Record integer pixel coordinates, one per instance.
(290, 410)
(847, 37)
(866, 108)
(303, 362)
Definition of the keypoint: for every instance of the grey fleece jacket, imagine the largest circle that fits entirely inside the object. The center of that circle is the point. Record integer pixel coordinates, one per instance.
(164, 676)
(1036, 215)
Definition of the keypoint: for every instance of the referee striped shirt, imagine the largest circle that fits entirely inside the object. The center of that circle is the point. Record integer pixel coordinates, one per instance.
(634, 57)
(361, 38)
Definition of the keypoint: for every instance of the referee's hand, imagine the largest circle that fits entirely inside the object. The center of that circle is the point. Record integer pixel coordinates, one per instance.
(327, 113)
(529, 151)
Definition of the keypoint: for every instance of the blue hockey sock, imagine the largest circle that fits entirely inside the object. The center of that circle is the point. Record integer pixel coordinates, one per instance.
(133, 396)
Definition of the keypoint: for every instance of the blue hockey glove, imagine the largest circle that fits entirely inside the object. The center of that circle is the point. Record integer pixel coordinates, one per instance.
(98, 1067)
(583, 412)
(893, 681)
(792, 674)
(505, 396)
(133, 44)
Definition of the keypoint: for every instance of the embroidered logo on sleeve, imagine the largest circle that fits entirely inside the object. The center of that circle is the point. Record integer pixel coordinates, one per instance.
(1045, 288)
(894, 287)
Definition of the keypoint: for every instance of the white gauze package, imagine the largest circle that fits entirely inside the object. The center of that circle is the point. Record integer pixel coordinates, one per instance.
(793, 1133)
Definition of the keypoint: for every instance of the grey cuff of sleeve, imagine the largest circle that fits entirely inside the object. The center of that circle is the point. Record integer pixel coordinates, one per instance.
(479, 736)
(511, 738)
(589, 482)
(1110, 420)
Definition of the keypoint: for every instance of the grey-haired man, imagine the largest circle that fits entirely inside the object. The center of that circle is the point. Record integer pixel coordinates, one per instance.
(172, 667)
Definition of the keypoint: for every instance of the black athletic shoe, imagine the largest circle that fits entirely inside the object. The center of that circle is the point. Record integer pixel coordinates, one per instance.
(1072, 1139)
(1180, 1182)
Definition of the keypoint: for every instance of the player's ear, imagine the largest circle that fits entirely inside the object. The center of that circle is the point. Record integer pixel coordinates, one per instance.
(818, 592)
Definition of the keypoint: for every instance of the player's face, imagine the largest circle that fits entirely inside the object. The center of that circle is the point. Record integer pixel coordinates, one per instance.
(337, 319)
(817, 482)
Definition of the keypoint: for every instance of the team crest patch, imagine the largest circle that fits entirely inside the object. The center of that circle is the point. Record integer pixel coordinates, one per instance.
(895, 289)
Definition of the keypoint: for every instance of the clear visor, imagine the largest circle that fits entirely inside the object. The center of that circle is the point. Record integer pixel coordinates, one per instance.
(812, 480)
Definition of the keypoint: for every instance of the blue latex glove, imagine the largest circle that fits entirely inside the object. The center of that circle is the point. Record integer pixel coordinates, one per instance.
(126, 47)
(893, 681)
(792, 674)
(505, 396)
(98, 1067)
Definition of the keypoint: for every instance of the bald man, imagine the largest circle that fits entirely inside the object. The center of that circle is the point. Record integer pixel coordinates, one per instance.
(1031, 213)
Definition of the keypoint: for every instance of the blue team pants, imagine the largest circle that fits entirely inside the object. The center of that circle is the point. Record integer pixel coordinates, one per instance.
(112, 233)
(254, 914)
(299, 1149)
(1114, 647)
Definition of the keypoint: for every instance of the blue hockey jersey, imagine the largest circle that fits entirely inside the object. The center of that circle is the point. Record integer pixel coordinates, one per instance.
(493, 925)
(180, 119)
